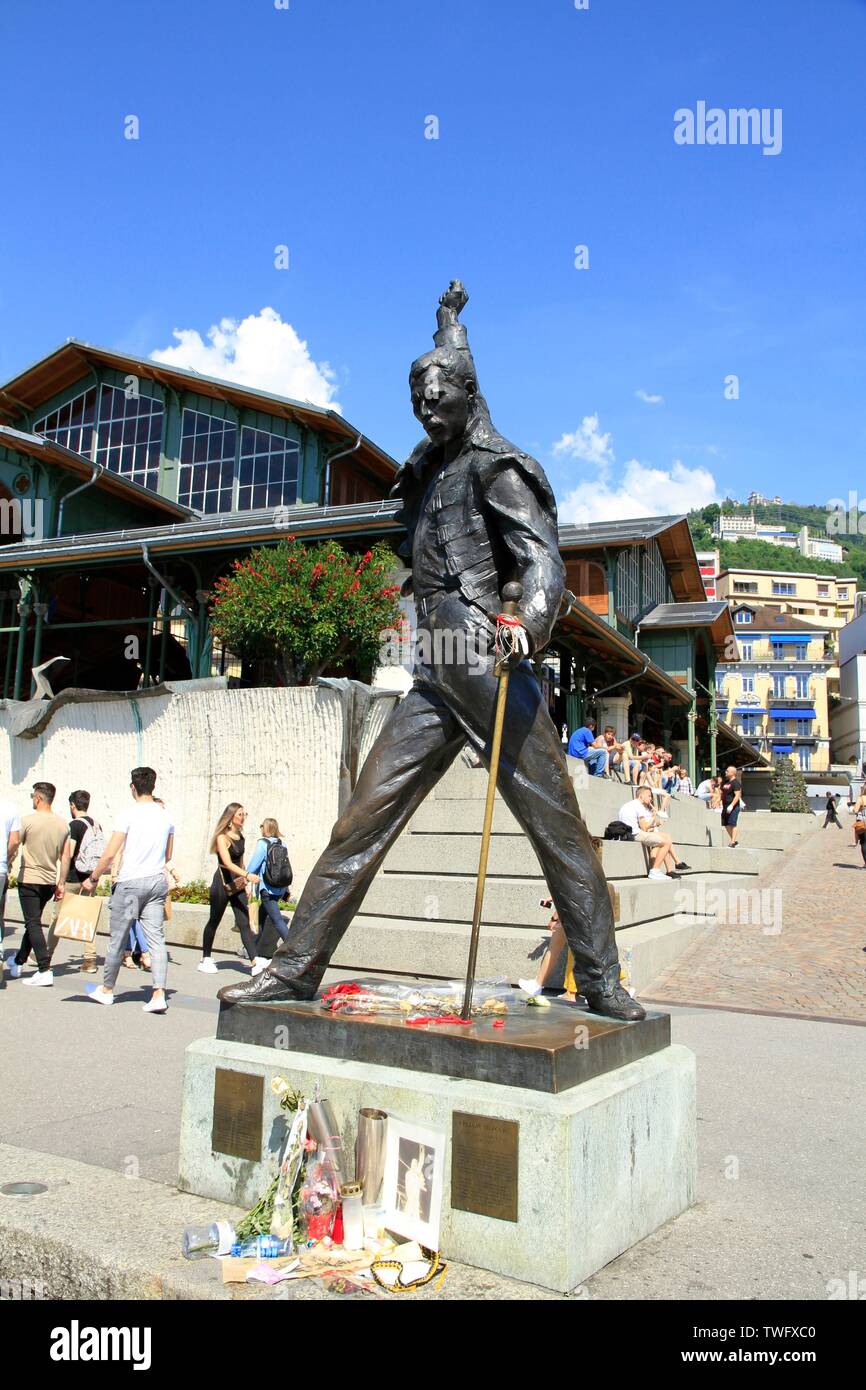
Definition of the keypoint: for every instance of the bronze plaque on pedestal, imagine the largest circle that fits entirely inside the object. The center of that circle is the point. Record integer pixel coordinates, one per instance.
(484, 1154)
(237, 1114)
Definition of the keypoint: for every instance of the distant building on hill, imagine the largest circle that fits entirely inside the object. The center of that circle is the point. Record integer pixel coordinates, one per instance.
(736, 526)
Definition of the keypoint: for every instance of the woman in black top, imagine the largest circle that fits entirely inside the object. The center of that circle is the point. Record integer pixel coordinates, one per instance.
(229, 884)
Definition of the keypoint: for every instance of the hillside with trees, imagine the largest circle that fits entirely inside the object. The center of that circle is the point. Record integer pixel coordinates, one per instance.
(763, 555)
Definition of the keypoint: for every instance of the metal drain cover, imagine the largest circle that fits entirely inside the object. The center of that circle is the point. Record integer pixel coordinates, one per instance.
(23, 1189)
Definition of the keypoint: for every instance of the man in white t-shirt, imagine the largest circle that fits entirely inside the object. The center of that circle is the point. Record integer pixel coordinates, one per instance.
(10, 839)
(642, 821)
(145, 835)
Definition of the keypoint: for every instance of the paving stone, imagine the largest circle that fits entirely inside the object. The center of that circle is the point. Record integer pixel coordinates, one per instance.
(814, 964)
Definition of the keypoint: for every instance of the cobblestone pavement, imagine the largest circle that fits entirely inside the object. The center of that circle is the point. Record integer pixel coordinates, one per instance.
(797, 948)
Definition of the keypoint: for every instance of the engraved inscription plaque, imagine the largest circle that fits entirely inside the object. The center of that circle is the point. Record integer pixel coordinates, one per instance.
(237, 1114)
(484, 1153)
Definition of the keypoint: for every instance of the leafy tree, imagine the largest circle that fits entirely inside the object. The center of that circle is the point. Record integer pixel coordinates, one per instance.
(305, 607)
(788, 787)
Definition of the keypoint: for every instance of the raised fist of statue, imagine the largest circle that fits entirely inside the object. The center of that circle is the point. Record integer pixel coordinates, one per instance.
(455, 297)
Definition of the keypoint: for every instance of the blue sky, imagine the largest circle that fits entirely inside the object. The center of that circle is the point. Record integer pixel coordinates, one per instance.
(305, 127)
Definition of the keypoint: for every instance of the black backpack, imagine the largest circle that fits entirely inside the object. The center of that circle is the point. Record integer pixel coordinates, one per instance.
(278, 868)
(618, 830)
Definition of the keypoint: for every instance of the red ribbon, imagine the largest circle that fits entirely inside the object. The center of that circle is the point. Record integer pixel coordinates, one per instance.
(418, 1020)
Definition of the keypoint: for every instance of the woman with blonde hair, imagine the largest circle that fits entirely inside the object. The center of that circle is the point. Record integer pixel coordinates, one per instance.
(271, 869)
(229, 884)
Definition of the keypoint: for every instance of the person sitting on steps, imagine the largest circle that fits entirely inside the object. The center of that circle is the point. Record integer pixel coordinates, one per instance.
(642, 820)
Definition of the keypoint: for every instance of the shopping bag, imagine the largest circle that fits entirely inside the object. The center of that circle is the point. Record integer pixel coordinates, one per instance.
(78, 917)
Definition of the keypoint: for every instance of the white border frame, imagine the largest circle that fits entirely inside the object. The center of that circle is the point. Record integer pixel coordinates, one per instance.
(435, 1140)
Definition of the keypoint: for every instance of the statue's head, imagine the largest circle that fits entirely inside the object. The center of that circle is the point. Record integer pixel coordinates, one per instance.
(444, 386)
(441, 403)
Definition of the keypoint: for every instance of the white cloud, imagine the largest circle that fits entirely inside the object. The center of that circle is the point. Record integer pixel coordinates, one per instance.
(261, 351)
(649, 399)
(587, 443)
(639, 491)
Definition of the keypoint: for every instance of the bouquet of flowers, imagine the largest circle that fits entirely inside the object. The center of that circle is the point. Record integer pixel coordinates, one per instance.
(268, 1213)
(318, 1196)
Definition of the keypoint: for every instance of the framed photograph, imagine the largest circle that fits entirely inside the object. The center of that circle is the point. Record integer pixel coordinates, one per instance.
(413, 1182)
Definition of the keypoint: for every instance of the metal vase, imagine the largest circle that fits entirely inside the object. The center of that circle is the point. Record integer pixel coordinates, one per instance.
(322, 1125)
(370, 1154)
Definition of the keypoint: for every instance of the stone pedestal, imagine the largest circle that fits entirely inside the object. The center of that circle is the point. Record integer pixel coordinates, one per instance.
(599, 1166)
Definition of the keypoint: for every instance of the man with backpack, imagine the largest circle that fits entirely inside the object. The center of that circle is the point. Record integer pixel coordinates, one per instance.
(81, 854)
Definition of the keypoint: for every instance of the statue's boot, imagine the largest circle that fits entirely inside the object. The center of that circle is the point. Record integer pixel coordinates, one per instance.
(267, 988)
(613, 1002)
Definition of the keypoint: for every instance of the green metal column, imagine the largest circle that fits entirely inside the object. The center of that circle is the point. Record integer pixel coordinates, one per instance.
(163, 645)
(151, 619)
(24, 613)
(39, 609)
(610, 569)
(205, 637)
(693, 710)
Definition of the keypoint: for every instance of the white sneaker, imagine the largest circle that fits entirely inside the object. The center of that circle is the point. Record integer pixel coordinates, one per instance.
(156, 1006)
(42, 977)
(13, 970)
(530, 987)
(207, 966)
(662, 815)
(658, 874)
(258, 966)
(96, 993)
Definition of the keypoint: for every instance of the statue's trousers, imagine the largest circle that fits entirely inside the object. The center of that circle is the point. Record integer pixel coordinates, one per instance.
(454, 699)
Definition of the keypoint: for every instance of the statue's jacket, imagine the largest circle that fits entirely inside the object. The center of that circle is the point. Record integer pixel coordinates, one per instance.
(492, 518)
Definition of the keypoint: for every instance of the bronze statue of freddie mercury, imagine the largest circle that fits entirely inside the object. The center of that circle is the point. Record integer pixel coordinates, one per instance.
(478, 513)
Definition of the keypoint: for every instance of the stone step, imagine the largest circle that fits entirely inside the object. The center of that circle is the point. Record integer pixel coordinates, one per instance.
(752, 835)
(516, 901)
(601, 793)
(801, 821)
(512, 856)
(464, 817)
(600, 799)
(440, 949)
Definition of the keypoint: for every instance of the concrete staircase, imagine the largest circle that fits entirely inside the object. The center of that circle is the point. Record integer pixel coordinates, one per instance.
(416, 917)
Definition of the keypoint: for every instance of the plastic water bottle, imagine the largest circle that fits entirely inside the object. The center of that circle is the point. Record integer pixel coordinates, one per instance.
(262, 1247)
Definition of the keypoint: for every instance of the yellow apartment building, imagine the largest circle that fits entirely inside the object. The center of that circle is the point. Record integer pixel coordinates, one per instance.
(776, 696)
(825, 600)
